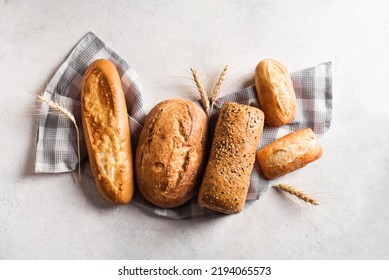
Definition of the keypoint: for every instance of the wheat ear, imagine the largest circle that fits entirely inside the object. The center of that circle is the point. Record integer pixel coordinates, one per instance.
(200, 88)
(218, 85)
(62, 110)
(297, 193)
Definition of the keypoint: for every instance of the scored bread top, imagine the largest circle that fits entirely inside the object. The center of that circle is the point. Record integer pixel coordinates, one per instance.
(275, 92)
(106, 128)
(170, 152)
(289, 153)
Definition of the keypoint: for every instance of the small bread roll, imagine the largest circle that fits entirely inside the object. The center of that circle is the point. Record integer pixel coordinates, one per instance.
(107, 132)
(289, 153)
(275, 92)
(231, 160)
(170, 152)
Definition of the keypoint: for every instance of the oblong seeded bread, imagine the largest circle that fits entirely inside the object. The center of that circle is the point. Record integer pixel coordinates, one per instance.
(170, 152)
(227, 175)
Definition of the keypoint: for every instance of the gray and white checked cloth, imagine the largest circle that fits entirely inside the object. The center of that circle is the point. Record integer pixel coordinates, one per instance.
(56, 147)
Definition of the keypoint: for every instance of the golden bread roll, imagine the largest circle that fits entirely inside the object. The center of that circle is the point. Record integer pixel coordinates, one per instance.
(275, 92)
(106, 131)
(170, 152)
(289, 153)
(227, 176)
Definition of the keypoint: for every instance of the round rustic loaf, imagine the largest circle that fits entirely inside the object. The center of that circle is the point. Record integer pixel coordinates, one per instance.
(170, 152)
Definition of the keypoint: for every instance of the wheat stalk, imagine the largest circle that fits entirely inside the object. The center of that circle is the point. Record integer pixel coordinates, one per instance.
(297, 193)
(65, 112)
(203, 93)
(218, 85)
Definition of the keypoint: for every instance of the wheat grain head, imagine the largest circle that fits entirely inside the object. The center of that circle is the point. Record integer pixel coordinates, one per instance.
(297, 193)
(65, 112)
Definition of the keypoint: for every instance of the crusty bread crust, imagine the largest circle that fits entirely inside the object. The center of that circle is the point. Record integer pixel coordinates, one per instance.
(227, 176)
(106, 131)
(170, 152)
(275, 92)
(289, 153)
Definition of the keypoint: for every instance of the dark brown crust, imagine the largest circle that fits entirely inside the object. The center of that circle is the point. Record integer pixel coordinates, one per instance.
(170, 152)
(106, 131)
(227, 176)
(289, 153)
(275, 92)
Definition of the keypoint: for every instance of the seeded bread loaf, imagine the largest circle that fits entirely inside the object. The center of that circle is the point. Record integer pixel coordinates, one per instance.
(170, 152)
(289, 153)
(275, 92)
(107, 133)
(227, 176)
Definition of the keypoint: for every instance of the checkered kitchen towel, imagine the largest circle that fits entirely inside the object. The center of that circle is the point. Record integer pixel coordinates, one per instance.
(56, 149)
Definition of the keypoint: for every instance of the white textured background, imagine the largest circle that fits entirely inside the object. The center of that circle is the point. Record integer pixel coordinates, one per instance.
(53, 217)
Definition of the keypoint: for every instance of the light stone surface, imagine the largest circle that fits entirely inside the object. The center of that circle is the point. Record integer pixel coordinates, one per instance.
(51, 216)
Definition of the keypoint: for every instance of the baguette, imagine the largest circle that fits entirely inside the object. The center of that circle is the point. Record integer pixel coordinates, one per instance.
(227, 175)
(275, 92)
(106, 131)
(289, 153)
(170, 152)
